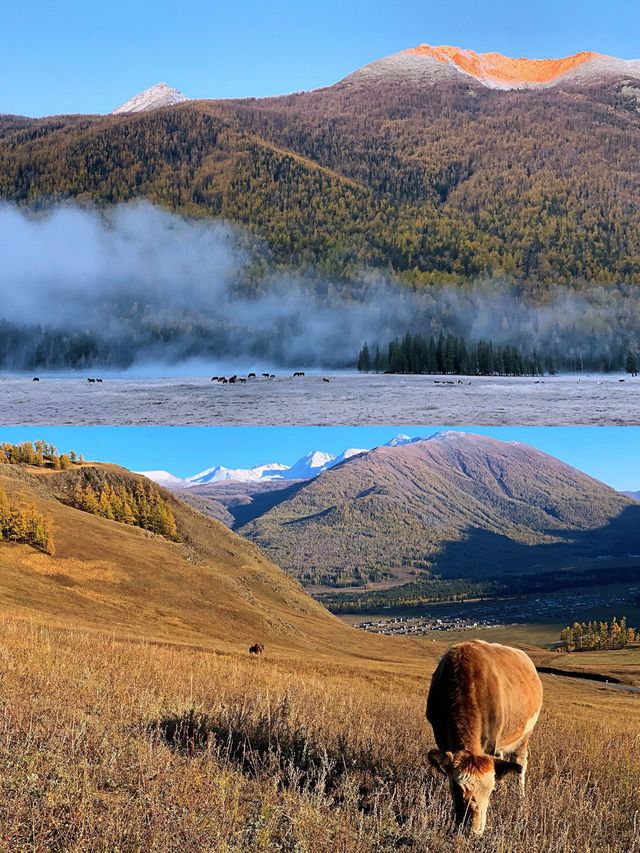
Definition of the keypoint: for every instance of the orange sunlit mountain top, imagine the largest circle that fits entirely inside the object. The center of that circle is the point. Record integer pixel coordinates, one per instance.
(504, 70)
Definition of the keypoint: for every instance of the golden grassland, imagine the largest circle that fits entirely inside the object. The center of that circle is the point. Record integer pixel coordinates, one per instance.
(110, 745)
(133, 718)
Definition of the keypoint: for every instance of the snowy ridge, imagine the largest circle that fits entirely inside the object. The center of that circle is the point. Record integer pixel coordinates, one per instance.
(426, 65)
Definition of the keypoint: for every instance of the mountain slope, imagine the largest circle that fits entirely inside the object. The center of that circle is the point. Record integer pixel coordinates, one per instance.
(456, 505)
(210, 588)
(446, 181)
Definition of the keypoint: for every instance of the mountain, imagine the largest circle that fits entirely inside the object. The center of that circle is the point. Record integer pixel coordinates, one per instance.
(428, 65)
(152, 98)
(453, 506)
(427, 165)
(243, 475)
(210, 587)
(634, 495)
(310, 465)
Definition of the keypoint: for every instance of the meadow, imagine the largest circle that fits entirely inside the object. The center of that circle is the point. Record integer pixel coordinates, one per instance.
(109, 744)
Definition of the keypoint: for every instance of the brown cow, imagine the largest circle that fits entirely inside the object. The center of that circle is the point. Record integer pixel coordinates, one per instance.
(483, 704)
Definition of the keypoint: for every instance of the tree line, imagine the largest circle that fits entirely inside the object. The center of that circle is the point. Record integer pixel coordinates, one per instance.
(453, 354)
(590, 636)
(140, 506)
(24, 524)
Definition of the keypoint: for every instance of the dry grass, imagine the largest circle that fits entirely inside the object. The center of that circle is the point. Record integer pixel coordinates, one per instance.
(108, 745)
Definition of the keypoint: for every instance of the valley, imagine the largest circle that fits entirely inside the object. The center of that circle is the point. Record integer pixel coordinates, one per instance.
(132, 711)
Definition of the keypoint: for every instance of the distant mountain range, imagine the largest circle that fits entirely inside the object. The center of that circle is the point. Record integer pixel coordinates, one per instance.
(308, 466)
(435, 164)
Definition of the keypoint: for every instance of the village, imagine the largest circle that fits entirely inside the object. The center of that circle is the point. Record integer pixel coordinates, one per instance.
(422, 625)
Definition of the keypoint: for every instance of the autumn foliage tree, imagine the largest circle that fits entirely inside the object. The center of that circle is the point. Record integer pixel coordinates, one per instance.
(24, 524)
(140, 505)
(590, 636)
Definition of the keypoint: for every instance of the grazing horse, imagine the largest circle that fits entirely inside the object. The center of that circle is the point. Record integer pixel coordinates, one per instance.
(298, 373)
(91, 380)
(251, 376)
(36, 379)
(256, 649)
(242, 379)
(98, 380)
(483, 704)
(265, 375)
(215, 378)
(233, 379)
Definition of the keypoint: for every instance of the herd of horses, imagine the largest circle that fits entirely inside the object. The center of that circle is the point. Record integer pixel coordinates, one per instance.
(483, 704)
(223, 380)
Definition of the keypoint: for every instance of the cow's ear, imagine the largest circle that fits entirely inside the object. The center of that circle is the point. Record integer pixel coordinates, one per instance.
(442, 761)
(503, 768)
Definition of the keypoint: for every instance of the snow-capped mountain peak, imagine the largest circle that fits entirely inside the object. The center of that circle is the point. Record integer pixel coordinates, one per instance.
(220, 473)
(402, 439)
(160, 95)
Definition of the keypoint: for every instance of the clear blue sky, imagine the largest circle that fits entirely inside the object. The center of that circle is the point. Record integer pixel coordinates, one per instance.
(72, 56)
(611, 454)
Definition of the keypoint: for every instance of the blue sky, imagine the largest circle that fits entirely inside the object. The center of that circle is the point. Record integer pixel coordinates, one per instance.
(611, 454)
(72, 56)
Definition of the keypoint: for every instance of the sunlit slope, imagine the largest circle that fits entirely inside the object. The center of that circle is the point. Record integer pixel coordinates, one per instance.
(211, 588)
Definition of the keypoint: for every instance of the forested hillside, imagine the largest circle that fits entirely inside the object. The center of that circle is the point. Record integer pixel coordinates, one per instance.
(448, 182)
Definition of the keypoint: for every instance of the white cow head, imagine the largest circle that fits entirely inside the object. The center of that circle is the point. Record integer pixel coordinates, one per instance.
(472, 779)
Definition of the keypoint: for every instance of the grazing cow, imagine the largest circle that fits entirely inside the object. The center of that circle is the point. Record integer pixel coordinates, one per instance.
(36, 379)
(483, 704)
(256, 649)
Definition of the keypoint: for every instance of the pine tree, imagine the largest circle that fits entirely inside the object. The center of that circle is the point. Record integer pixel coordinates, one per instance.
(364, 359)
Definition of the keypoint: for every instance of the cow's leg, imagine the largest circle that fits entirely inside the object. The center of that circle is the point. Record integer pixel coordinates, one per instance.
(521, 755)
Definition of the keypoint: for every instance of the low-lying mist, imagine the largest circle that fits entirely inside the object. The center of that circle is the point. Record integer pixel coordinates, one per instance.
(136, 284)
